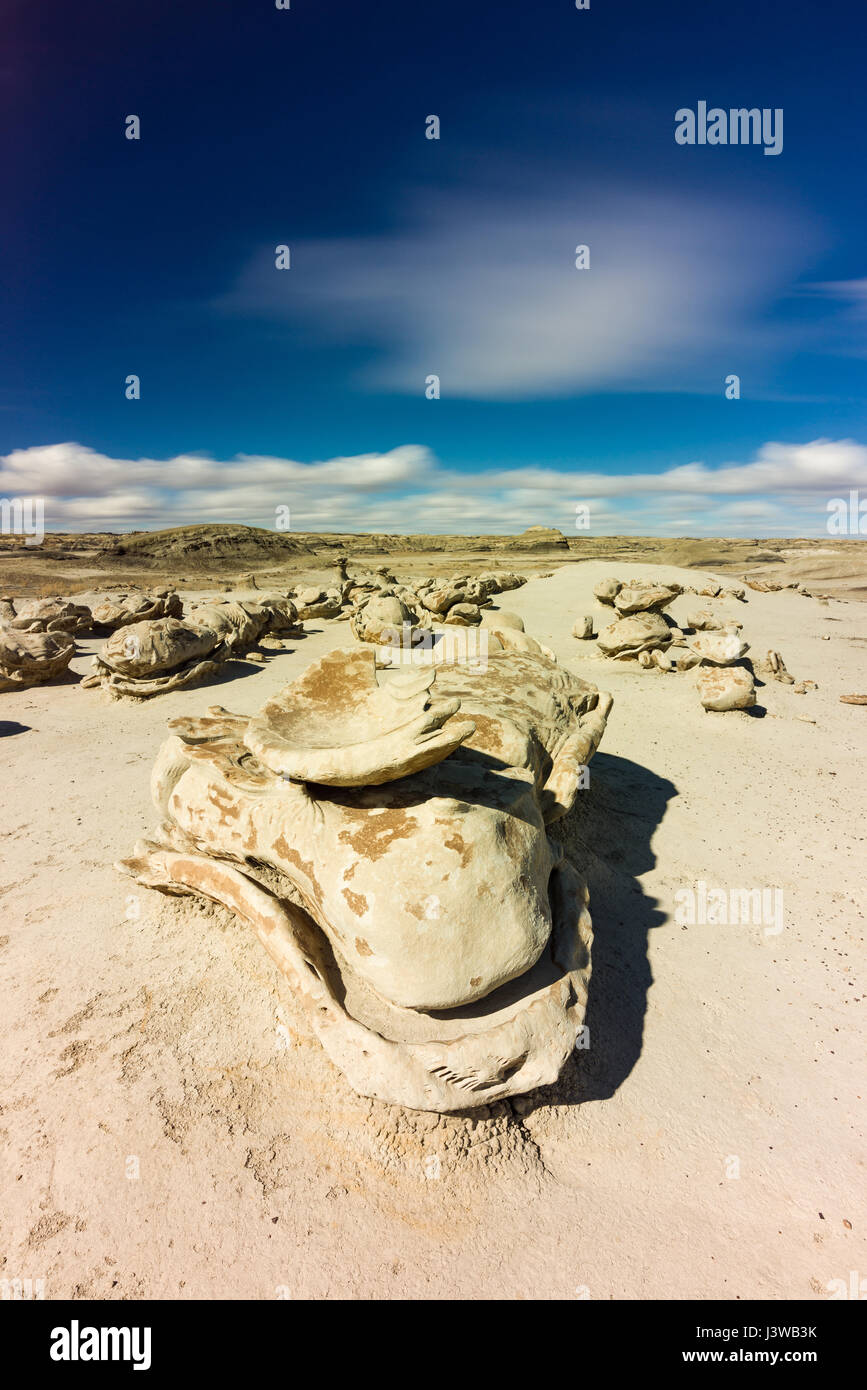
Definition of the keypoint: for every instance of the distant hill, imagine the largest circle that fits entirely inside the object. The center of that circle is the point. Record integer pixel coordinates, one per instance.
(203, 545)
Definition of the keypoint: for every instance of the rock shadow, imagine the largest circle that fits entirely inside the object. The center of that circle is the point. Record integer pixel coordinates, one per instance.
(608, 836)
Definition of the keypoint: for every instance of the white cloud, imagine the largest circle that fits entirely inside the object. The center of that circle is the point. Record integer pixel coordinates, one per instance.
(483, 292)
(783, 490)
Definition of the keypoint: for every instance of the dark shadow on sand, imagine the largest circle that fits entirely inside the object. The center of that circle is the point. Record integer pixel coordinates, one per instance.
(607, 835)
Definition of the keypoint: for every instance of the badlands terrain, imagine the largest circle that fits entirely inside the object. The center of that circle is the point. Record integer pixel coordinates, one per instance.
(172, 1128)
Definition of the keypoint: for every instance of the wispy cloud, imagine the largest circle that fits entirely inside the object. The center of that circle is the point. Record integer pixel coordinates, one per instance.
(482, 291)
(782, 491)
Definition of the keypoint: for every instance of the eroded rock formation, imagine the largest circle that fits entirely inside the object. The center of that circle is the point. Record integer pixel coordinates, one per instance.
(32, 658)
(162, 654)
(387, 840)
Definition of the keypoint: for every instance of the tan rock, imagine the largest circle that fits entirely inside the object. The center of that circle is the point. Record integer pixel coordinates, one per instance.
(464, 615)
(502, 617)
(47, 615)
(777, 669)
(32, 658)
(377, 899)
(719, 648)
(728, 689)
(683, 659)
(628, 636)
(607, 590)
(383, 618)
(134, 606)
(645, 598)
(704, 621)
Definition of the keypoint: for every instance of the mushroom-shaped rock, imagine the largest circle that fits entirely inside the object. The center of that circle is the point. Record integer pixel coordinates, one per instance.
(628, 636)
(732, 688)
(719, 648)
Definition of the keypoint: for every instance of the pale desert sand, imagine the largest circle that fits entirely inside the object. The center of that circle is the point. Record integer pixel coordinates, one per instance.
(171, 1040)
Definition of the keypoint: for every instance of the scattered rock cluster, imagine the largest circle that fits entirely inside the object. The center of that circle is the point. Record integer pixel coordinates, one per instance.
(46, 615)
(156, 655)
(645, 631)
(135, 606)
(379, 605)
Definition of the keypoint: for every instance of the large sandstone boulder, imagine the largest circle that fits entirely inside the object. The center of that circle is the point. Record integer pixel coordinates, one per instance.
(464, 614)
(607, 590)
(387, 841)
(629, 636)
(32, 658)
(502, 581)
(645, 598)
(152, 648)
(704, 621)
(732, 688)
(383, 618)
(502, 617)
(236, 624)
(440, 599)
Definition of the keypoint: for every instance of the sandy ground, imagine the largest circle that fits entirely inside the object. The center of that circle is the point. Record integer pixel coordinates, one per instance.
(171, 1129)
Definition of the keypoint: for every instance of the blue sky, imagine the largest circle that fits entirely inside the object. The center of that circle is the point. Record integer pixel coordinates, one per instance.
(411, 257)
